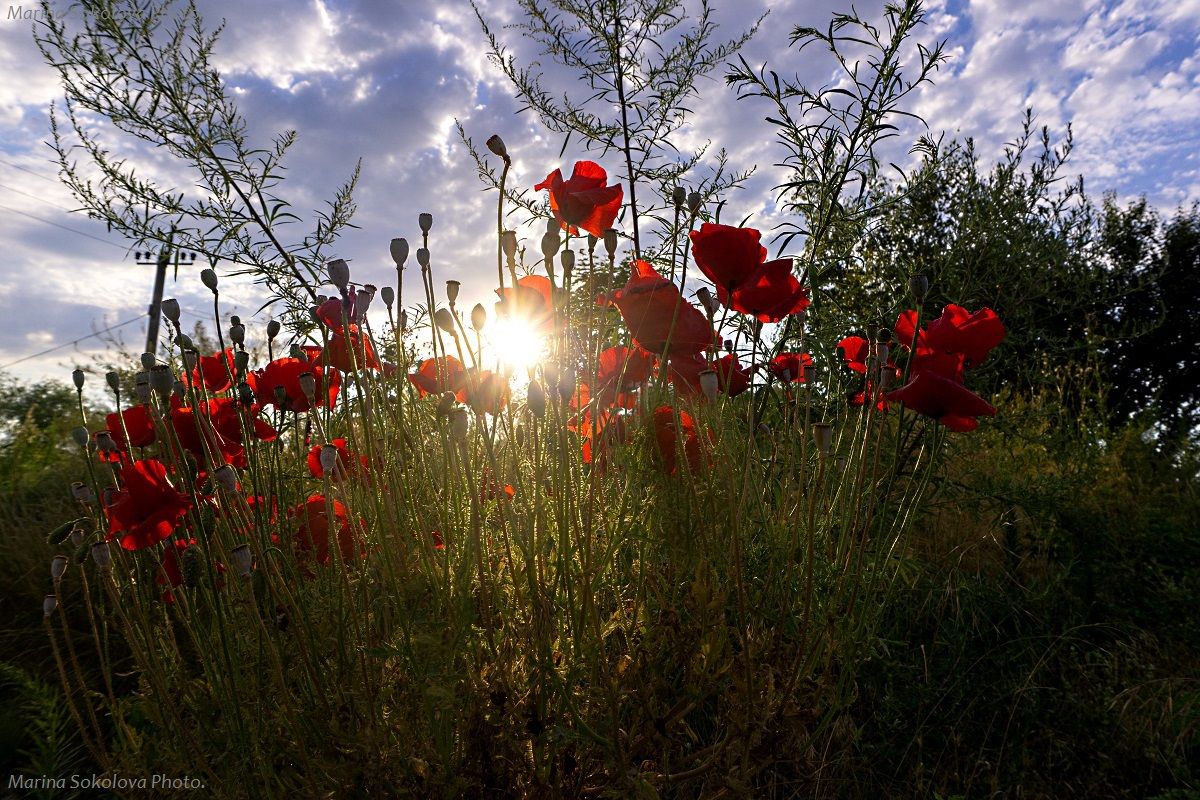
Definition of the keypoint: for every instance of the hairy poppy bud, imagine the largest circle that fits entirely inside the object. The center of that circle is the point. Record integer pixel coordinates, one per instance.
(191, 565)
(80, 435)
(399, 251)
(77, 378)
(458, 424)
(243, 559)
(273, 328)
(445, 320)
(567, 258)
(113, 379)
(101, 555)
(402, 318)
(237, 334)
(710, 303)
(225, 476)
(425, 222)
(610, 242)
(678, 196)
(496, 145)
(184, 342)
(162, 381)
(170, 309)
(822, 433)
(535, 397)
(478, 317)
(208, 276)
(423, 257)
(445, 403)
(919, 286)
(550, 245)
(389, 296)
(452, 288)
(508, 243)
(308, 385)
(82, 494)
(339, 274)
(708, 384)
(49, 604)
(58, 565)
(694, 200)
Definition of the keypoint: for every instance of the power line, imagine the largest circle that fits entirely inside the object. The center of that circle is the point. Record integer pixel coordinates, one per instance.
(35, 197)
(64, 227)
(27, 169)
(48, 350)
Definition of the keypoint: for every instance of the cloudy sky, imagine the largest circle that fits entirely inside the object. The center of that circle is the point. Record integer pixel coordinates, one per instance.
(385, 82)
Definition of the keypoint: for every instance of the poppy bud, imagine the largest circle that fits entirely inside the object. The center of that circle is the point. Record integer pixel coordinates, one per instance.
(389, 296)
(610, 241)
(208, 277)
(425, 222)
(362, 301)
(445, 403)
(184, 342)
(550, 245)
(452, 288)
(297, 352)
(764, 429)
(170, 309)
(113, 379)
(329, 458)
(708, 384)
(399, 250)
(403, 319)
(281, 398)
(237, 334)
(710, 303)
(162, 381)
(58, 565)
(445, 320)
(919, 286)
(80, 435)
(308, 385)
(273, 328)
(82, 494)
(678, 196)
(478, 317)
(822, 433)
(423, 257)
(535, 397)
(225, 476)
(101, 555)
(243, 559)
(77, 378)
(568, 260)
(496, 145)
(508, 243)
(458, 424)
(49, 603)
(339, 273)
(241, 362)
(191, 565)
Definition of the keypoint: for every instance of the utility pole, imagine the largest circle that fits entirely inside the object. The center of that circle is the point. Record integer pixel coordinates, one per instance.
(161, 262)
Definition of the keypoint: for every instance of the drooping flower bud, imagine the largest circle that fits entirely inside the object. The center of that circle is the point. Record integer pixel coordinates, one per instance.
(452, 287)
(566, 383)
(445, 320)
(678, 196)
(508, 243)
(458, 424)
(102, 556)
(425, 222)
(191, 565)
(919, 286)
(170, 309)
(58, 565)
(708, 384)
(281, 398)
(478, 317)
(610, 242)
(308, 385)
(339, 274)
(225, 476)
(399, 251)
(162, 381)
(535, 397)
(389, 296)
(496, 145)
(80, 435)
(208, 276)
(77, 378)
(710, 303)
(423, 257)
(49, 604)
(245, 394)
(243, 560)
(822, 433)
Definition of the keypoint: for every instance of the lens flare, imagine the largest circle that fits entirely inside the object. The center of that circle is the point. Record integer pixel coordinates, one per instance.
(516, 343)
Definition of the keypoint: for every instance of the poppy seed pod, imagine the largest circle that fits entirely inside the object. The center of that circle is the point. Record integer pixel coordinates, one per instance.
(243, 559)
(49, 604)
(113, 379)
(148, 361)
(445, 320)
(191, 566)
(425, 222)
(241, 362)
(708, 384)
(58, 565)
(567, 259)
(710, 303)
(694, 201)
(234, 319)
(102, 555)
(728, 344)
(237, 334)
(508, 243)
(190, 359)
(162, 381)
(496, 145)
(919, 286)
(478, 317)
(208, 276)
(105, 442)
(566, 383)
(535, 397)
(109, 493)
(550, 245)
(399, 251)
(80, 435)
(308, 385)
(678, 196)
(184, 342)
(887, 376)
(273, 328)
(445, 403)
(883, 350)
(329, 458)
(225, 476)
(180, 390)
(423, 257)
(610, 241)
(362, 301)
(389, 296)
(339, 274)
(297, 352)
(458, 424)
(452, 288)
(822, 434)
(82, 494)
(141, 386)
(77, 378)
(591, 240)
(77, 536)
(170, 309)
(841, 465)
(245, 394)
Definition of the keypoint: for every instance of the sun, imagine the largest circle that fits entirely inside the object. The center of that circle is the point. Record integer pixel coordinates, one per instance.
(516, 343)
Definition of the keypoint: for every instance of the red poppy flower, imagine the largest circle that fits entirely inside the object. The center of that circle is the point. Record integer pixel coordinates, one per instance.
(667, 433)
(955, 331)
(148, 509)
(946, 400)
(437, 375)
(789, 367)
(532, 299)
(584, 200)
(338, 354)
(660, 320)
(202, 438)
(489, 393)
(771, 293)
(605, 435)
(286, 372)
(138, 422)
(620, 370)
(732, 377)
(349, 464)
(728, 256)
(330, 313)
(315, 526)
(227, 414)
(491, 489)
(213, 372)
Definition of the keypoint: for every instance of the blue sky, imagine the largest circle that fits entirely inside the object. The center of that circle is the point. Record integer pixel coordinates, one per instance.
(385, 81)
